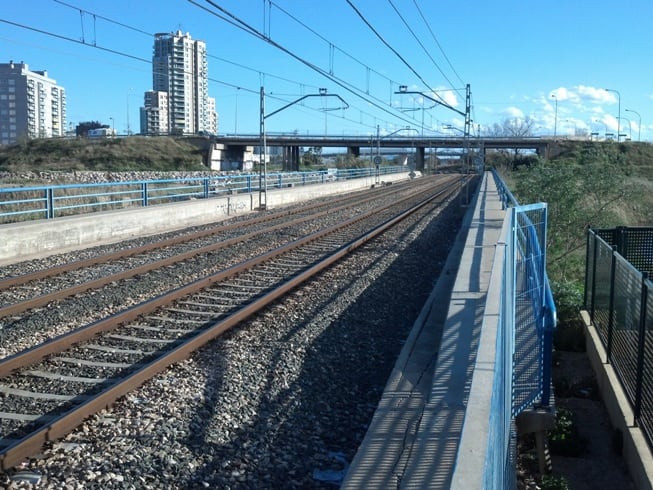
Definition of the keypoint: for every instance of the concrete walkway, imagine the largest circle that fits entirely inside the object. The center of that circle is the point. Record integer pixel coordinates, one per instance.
(413, 440)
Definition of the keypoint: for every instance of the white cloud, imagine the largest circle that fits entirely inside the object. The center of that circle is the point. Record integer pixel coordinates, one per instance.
(513, 112)
(599, 95)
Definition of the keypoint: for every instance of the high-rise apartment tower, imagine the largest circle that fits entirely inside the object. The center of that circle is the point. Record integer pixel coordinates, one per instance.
(31, 104)
(180, 71)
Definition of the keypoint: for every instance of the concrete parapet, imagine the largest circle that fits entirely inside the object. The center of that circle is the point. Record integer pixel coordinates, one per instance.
(32, 239)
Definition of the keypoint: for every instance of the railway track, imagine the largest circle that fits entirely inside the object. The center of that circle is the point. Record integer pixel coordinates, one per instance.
(49, 389)
(24, 292)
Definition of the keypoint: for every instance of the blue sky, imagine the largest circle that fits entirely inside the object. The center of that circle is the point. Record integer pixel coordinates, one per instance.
(515, 55)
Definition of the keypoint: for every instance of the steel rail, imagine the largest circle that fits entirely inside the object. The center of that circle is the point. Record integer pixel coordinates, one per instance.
(62, 342)
(8, 282)
(66, 422)
(42, 300)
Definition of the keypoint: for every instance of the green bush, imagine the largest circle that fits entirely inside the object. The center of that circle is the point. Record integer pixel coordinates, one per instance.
(551, 482)
(564, 438)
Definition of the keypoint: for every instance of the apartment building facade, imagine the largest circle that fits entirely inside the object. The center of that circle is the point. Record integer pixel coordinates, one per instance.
(32, 105)
(179, 101)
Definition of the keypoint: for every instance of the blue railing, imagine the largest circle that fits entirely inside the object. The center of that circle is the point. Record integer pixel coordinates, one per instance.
(529, 225)
(48, 202)
(525, 329)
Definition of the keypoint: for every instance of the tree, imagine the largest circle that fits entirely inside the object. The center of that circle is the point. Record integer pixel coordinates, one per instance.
(83, 128)
(513, 127)
(312, 156)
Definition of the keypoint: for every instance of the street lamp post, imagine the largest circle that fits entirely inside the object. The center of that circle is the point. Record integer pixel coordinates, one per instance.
(263, 181)
(618, 110)
(604, 124)
(555, 120)
(639, 124)
(630, 129)
(113, 126)
(453, 128)
(129, 92)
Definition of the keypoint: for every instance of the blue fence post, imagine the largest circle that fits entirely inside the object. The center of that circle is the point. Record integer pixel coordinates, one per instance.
(144, 200)
(49, 203)
(206, 187)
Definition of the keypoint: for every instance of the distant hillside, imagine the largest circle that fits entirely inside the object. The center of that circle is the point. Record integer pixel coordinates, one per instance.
(136, 153)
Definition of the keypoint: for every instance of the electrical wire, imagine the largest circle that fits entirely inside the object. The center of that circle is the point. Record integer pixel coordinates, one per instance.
(428, 26)
(419, 42)
(234, 20)
(333, 46)
(403, 60)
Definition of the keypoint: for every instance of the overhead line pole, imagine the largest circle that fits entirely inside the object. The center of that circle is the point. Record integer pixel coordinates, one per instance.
(263, 167)
(403, 89)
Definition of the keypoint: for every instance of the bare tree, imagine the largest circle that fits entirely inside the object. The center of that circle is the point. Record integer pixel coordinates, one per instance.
(515, 127)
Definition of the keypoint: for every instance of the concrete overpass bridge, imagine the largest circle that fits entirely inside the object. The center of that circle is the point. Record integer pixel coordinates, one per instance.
(231, 151)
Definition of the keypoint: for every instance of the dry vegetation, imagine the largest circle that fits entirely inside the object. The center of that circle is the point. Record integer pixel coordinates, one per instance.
(136, 153)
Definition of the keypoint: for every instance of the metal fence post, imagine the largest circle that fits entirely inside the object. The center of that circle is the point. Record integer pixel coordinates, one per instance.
(144, 201)
(596, 241)
(621, 240)
(613, 268)
(49, 203)
(640, 347)
(587, 266)
(206, 187)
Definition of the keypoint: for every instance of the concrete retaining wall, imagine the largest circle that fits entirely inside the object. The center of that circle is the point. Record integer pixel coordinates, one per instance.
(27, 240)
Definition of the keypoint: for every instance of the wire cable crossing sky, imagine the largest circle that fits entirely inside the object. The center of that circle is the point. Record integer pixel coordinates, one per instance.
(550, 66)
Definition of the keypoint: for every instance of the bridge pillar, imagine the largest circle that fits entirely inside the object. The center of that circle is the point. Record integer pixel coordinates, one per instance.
(354, 150)
(229, 157)
(419, 158)
(290, 158)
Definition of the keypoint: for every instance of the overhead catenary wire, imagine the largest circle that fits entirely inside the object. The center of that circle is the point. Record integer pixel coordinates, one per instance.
(435, 39)
(387, 44)
(234, 20)
(333, 47)
(407, 25)
(369, 99)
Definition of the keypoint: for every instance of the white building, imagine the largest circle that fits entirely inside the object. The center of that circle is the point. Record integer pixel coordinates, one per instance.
(31, 104)
(154, 116)
(180, 70)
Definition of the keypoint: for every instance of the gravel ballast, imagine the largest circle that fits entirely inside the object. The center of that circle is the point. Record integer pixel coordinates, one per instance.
(282, 401)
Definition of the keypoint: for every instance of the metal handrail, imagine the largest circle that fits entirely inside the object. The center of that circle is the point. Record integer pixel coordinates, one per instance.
(52, 201)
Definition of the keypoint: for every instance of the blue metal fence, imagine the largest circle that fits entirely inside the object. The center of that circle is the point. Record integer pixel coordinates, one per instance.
(525, 333)
(48, 202)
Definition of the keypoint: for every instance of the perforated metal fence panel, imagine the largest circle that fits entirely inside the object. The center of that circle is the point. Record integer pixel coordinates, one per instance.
(619, 299)
(529, 235)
